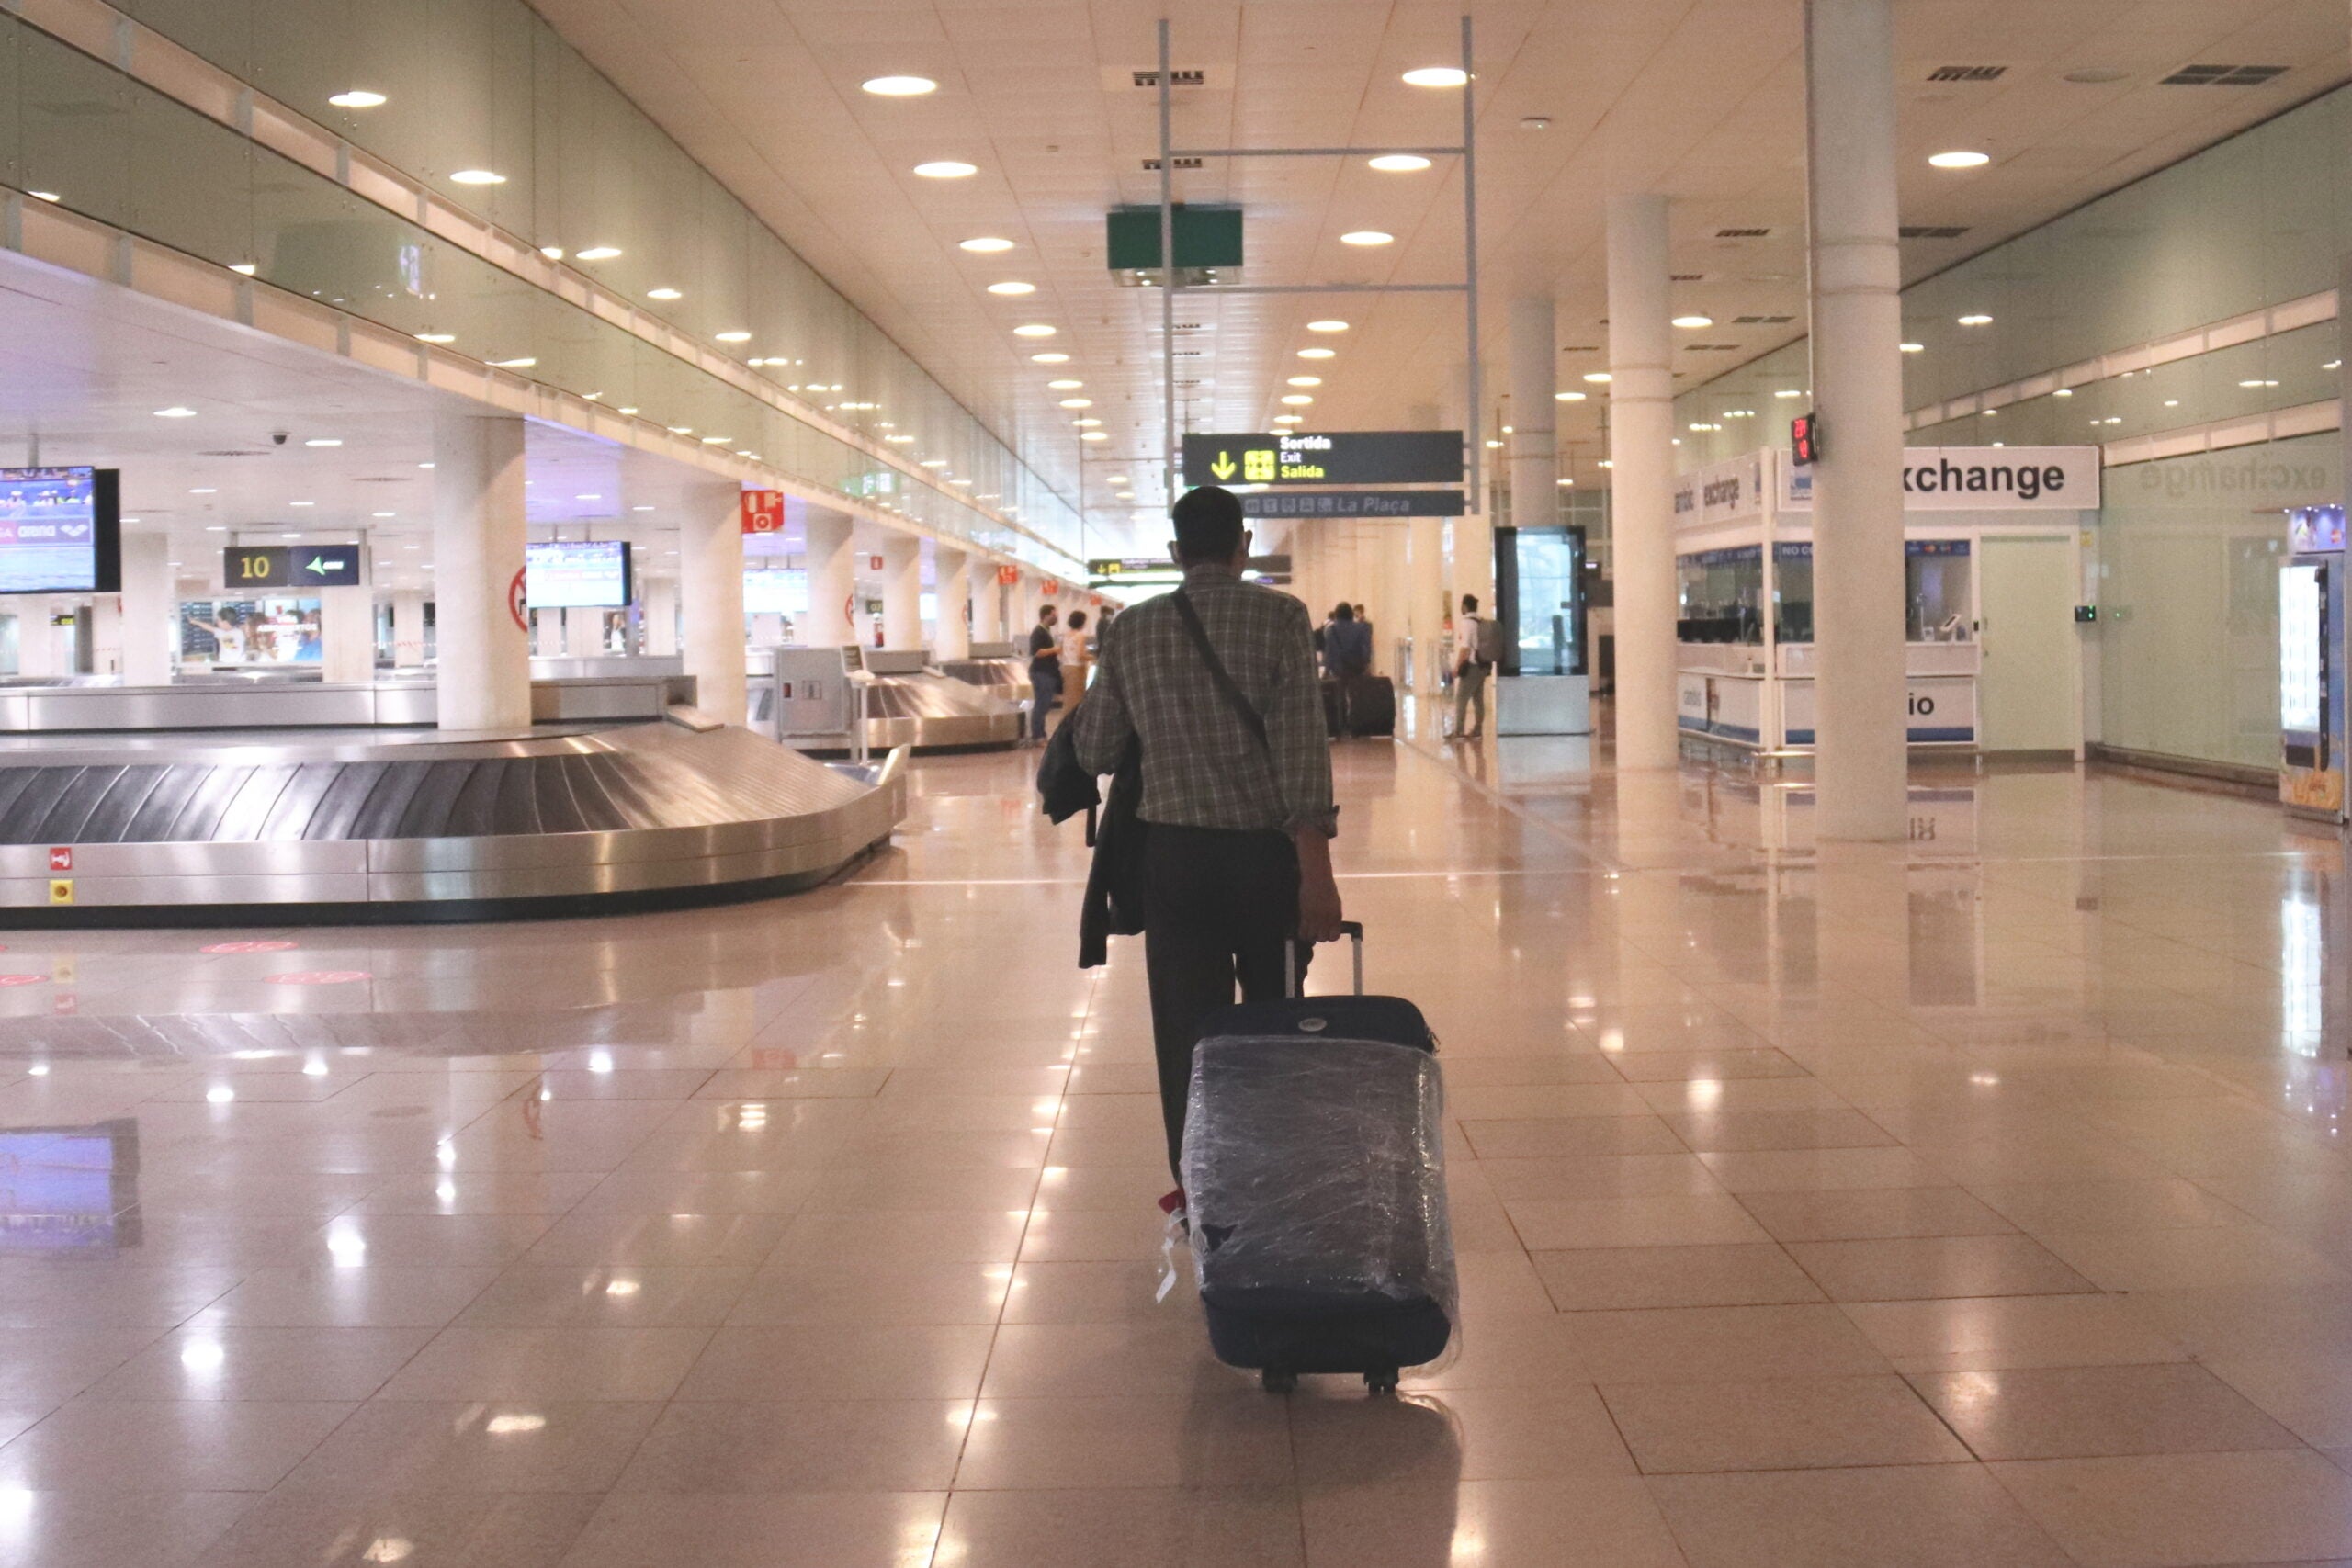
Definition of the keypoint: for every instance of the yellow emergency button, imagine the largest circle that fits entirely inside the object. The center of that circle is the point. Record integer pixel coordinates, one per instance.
(60, 890)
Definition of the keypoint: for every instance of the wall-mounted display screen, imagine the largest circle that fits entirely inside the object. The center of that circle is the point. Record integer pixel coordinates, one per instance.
(2303, 651)
(576, 574)
(775, 593)
(61, 531)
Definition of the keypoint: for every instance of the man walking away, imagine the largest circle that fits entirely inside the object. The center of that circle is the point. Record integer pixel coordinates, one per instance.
(1479, 639)
(1044, 673)
(1347, 645)
(1236, 783)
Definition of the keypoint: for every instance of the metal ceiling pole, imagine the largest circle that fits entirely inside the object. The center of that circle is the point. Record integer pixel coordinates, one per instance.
(1166, 270)
(1472, 435)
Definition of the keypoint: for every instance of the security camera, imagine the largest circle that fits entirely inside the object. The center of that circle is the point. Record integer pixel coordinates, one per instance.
(279, 437)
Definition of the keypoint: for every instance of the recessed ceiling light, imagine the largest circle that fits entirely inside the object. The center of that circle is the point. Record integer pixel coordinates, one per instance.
(1088, 424)
(1009, 287)
(934, 463)
(44, 195)
(1094, 435)
(322, 441)
(900, 86)
(597, 253)
(176, 411)
(1692, 323)
(1914, 348)
(383, 514)
(640, 509)
(1296, 399)
(663, 294)
(217, 528)
(591, 496)
(1960, 159)
(1078, 402)
(358, 98)
(985, 244)
(1066, 384)
(734, 335)
(1033, 329)
(1306, 380)
(1116, 479)
(1597, 377)
(204, 490)
(524, 363)
(1289, 419)
(1436, 76)
(244, 269)
(628, 411)
(1327, 326)
(1568, 396)
(1366, 237)
(1976, 320)
(436, 337)
(2258, 383)
(945, 169)
(301, 503)
(476, 177)
(1788, 392)
(717, 440)
(1400, 162)
(1050, 357)
(553, 253)
(1123, 495)
(1318, 352)
(2063, 392)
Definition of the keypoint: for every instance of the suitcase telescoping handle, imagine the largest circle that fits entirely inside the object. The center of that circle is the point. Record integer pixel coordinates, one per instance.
(1352, 929)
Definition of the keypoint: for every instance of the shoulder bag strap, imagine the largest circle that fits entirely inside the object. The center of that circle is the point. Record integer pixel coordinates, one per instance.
(1218, 675)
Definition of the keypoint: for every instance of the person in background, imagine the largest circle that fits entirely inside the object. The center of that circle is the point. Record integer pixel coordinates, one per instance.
(1044, 673)
(1347, 645)
(1474, 636)
(1237, 784)
(1076, 660)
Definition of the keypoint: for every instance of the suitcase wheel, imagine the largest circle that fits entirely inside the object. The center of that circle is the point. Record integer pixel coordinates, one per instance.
(1276, 1379)
(1381, 1380)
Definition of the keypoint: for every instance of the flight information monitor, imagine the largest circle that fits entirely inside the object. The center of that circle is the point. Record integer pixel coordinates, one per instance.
(576, 574)
(61, 531)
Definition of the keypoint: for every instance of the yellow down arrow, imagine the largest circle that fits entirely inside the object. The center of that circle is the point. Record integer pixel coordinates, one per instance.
(1223, 468)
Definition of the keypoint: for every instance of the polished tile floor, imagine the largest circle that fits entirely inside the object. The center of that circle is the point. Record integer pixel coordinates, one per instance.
(1976, 1202)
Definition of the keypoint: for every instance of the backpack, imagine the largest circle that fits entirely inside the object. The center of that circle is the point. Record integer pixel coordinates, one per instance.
(1486, 640)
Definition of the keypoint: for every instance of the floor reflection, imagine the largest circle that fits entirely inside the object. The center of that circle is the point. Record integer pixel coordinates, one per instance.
(69, 1192)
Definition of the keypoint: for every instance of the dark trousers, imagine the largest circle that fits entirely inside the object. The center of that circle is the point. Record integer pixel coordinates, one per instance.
(1046, 688)
(1219, 907)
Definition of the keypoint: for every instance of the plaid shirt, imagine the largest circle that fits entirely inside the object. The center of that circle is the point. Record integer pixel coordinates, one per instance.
(1202, 768)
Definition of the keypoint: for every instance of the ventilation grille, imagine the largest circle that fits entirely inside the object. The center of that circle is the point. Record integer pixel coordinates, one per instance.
(1761, 321)
(2223, 75)
(1179, 78)
(1742, 234)
(1582, 348)
(1967, 72)
(1688, 277)
(1151, 165)
(1712, 347)
(1932, 231)
(381, 479)
(233, 452)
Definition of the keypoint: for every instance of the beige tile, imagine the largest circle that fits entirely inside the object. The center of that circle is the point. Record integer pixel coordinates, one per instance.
(1721, 1344)
(1155, 1528)
(810, 1529)
(1678, 1066)
(265, 1363)
(49, 1366)
(1098, 1237)
(1480, 1434)
(550, 1364)
(477, 1446)
(1238, 1438)
(2043, 1208)
(616, 1295)
(886, 1291)
(1807, 1170)
(1526, 1351)
(935, 1236)
(1162, 1356)
(1705, 1097)
(2176, 1510)
(1888, 1517)
(1553, 1224)
(1745, 1132)
(660, 1237)
(1572, 1136)
(1096, 1293)
(125, 1444)
(1872, 1214)
(1798, 1423)
(860, 1445)
(1590, 1175)
(1584, 1522)
(391, 1296)
(2309, 1394)
(1602, 1279)
(1989, 1333)
(2069, 1412)
(2215, 1258)
(305, 1529)
(1919, 1268)
(840, 1361)
(114, 1529)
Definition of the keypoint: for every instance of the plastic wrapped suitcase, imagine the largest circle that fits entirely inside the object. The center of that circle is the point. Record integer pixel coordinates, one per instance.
(1371, 705)
(1314, 1168)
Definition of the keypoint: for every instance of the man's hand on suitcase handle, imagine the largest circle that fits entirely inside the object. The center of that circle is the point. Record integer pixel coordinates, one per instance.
(1320, 914)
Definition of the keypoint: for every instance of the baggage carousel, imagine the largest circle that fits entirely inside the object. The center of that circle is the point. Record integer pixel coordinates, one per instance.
(276, 830)
(830, 701)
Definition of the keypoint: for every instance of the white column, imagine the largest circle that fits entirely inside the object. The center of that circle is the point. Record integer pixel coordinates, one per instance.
(1858, 569)
(661, 618)
(710, 586)
(901, 590)
(149, 610)
(484, 679)
(105, 634)
(347, 635)
(408, 628)
(1535, 449)
(583, 633)
(987, 601)
(1641, 479)
(952, 635)
(832, 583)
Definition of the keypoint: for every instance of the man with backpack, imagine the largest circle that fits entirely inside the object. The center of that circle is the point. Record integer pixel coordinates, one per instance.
(1217, 681)
(1481, 641)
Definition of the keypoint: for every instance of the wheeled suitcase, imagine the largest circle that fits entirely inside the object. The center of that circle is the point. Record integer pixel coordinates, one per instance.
(1370, 705)
(1314, 1167)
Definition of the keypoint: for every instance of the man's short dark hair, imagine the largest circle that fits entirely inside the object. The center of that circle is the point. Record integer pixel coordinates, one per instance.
(1343, 612)
(1469, 603)
(1209, 525)
(1044, 611)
